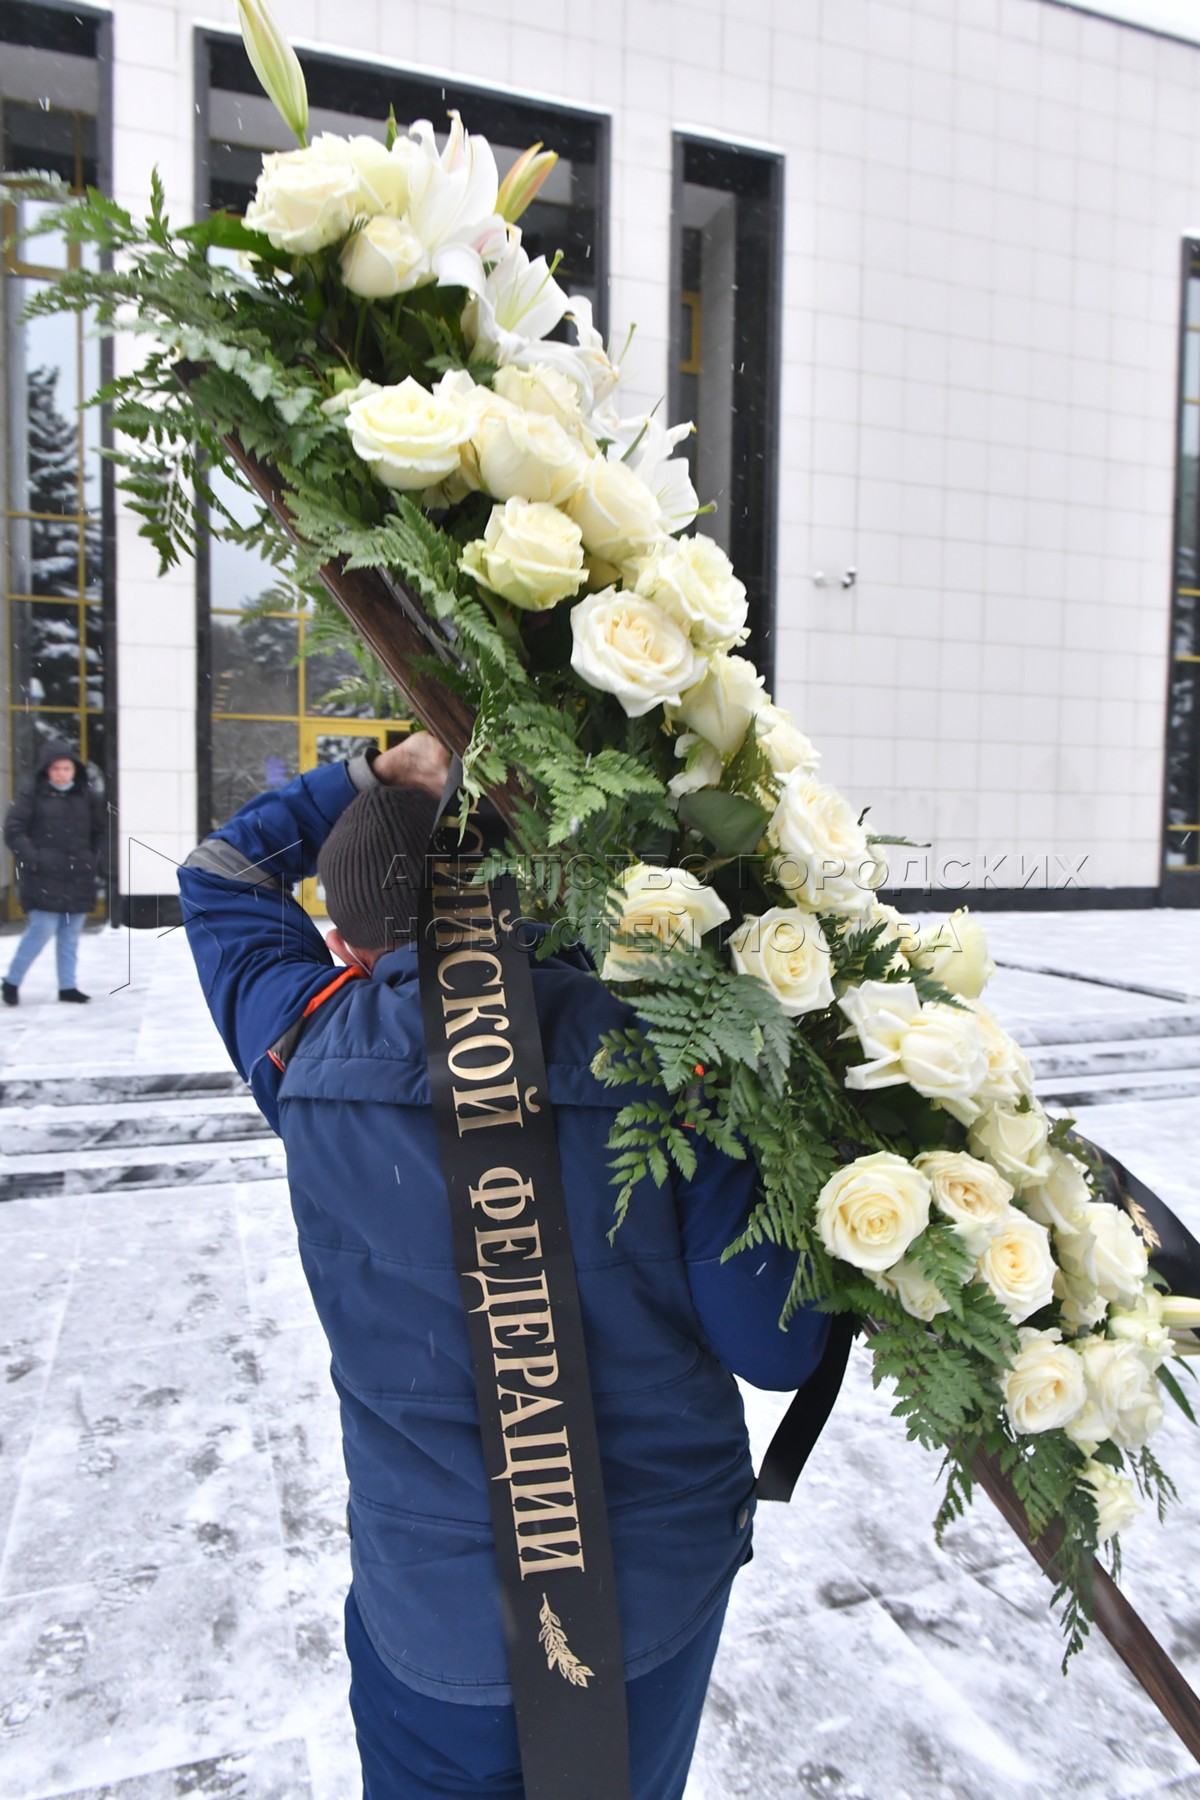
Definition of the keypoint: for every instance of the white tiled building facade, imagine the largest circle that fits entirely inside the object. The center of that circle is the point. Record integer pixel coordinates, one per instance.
(985, 208)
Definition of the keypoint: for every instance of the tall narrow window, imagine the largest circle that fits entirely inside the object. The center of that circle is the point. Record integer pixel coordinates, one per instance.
(727, 260)
(1182, 848)
(55, 608)
(263, 714)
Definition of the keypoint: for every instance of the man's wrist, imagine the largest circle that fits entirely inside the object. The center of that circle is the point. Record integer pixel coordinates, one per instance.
(361, 770)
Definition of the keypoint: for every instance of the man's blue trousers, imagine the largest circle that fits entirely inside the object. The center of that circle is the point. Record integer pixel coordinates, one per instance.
(416, 1748)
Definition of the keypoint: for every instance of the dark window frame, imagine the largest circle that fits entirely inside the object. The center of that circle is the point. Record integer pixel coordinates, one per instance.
(751, 172)
(1181, 885)
(56, 25)
(82, 30)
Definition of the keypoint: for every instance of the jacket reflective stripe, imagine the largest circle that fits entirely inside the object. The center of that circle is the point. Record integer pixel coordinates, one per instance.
(217, 857)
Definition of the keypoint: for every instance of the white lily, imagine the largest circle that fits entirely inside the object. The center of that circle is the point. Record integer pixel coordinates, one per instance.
(523, 181)
(586, 362)
(452, 197)
(603, 373)
(519, 302)
(276, 65)
(1181, 1311)
(668, 477)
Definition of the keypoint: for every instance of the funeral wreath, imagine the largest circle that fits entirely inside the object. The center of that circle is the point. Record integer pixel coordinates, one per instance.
(376, 332)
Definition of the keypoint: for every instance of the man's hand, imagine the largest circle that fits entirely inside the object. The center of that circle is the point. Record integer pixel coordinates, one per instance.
(417, 761)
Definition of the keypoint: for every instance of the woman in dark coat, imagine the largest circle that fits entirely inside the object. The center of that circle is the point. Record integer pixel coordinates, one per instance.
(55, 830)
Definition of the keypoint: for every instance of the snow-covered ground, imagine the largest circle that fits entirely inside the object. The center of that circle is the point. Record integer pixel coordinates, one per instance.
(171, 1491)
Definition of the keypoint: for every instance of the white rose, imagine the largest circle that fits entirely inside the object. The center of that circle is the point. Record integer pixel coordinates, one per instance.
(1144, 1326)
(383, 259)
(880, 1012)
(344, 399)
(365, 174)
(615, 511)
(955, 952)
(1044, 1387)
(871, 1211)
(303, 201)
(1017, 1266)
(969, 1192)
(898, 932)
(1062, 1199)
(1117, 1258)
(785, 744)
(942, 1057)
(660, 909)
(920, 1297)
(1123, 1402)
(825, 862)
(477, 404)
(1008, 1076)
(704, 766)
(1079, 1304)
(409, 438)
(1116, 1500)
(526, 456)
(785, 949)
(383, 175)
(472, 397)
(693, 581)
(875, 869)
(721, 706)
(537, 389)
(1107, 1251)
(530, 554)
(935, 1049)
(625, 646)
(1013, 1142)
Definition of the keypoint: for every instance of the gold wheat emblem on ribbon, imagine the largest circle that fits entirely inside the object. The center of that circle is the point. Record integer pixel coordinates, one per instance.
(559, 1654)
(1138, 1215)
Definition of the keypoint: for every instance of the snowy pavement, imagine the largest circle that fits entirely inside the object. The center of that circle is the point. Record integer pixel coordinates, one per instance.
(171, 1491)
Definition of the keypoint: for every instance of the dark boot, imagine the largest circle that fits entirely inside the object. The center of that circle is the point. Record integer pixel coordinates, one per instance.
(75, 995)
(11, 996)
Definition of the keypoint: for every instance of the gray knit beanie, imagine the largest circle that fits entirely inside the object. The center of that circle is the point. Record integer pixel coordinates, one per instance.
(372, 862)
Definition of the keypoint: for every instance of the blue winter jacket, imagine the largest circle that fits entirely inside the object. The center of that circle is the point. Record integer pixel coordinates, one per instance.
(665, 1321)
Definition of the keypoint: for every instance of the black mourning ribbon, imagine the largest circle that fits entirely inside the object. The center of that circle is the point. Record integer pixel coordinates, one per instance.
(500, 1160)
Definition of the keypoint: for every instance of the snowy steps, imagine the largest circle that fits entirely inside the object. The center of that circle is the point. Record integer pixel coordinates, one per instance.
(1106, 1074)
(1105, 1027)
(88, 1133)
(32, 1087)
(51, 1130)
(1101, 1060)
(99, 1134)
(1109, 1089)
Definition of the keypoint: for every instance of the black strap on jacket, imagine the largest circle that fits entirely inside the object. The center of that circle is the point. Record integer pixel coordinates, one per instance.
(499, 1155)
(805, 1419)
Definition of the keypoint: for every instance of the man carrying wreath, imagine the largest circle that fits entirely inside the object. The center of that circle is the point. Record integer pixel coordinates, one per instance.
(336, 1060)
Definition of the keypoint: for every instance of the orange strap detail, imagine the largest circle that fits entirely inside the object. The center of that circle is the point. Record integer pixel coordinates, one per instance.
(283, 1046)
(347, 974)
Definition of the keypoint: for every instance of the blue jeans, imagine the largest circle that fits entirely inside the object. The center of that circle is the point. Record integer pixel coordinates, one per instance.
(416, 1748)
(42, 926)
